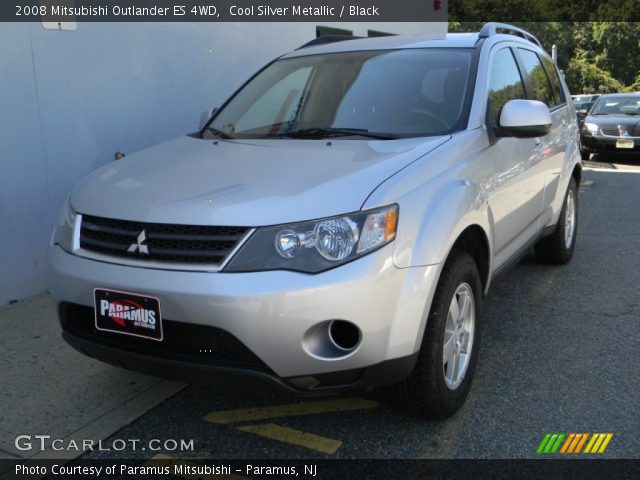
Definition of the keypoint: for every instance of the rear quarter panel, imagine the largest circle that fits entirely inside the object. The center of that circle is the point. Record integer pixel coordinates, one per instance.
(569, 158)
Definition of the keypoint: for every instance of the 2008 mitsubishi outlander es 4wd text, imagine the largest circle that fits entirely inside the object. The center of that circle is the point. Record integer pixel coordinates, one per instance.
(336, 224)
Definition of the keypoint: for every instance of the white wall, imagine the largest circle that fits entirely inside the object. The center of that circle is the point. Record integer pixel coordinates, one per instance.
(70, 99)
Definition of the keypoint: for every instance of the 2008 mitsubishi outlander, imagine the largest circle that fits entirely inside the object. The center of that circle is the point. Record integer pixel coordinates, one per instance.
(335, 224)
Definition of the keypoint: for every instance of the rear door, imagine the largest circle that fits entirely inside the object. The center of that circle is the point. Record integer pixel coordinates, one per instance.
(543, 83)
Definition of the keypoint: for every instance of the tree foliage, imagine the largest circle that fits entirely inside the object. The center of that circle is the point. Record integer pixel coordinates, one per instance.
(590, 78)
(594, 56)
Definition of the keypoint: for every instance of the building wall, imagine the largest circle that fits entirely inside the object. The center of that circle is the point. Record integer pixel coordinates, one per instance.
(70, 99)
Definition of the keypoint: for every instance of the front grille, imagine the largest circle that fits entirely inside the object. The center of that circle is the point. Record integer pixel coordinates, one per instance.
(614, 131)
(611, 131)
(182, 341)
(159, 241)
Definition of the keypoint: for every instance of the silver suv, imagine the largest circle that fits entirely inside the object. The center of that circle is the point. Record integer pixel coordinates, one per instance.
(335, 224)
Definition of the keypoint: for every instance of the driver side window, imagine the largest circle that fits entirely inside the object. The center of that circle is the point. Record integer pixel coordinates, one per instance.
(505, 83)
(279, 104)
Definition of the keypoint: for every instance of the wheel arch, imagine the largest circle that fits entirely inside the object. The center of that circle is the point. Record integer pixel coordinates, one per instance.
(577, 173)
(474, 241)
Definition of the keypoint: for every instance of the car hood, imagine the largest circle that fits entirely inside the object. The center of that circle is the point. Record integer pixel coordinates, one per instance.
(245, 182)
(627, 122)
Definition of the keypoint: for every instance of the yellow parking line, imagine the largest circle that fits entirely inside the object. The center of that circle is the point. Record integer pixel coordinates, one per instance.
(166, 460)
(294, 437)
(290, 410)
(158, 457)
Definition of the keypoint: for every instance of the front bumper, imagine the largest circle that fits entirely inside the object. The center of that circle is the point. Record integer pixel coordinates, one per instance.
(269, 313)
(239, 378)
(600, 143)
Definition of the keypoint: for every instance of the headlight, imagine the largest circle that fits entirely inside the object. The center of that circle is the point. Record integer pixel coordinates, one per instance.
(317, 245)
(592, 128)
(63, 232)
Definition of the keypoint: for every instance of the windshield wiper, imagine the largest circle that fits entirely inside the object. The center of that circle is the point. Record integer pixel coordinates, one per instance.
(335, 132)
(219, 133)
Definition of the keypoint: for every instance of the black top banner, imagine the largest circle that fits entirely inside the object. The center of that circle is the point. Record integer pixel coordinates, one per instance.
(544, 10)
(320, 10)
(224, 11)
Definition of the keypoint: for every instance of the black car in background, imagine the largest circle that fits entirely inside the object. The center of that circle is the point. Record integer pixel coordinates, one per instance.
(583, 104)
(612, 125)
(587, 97)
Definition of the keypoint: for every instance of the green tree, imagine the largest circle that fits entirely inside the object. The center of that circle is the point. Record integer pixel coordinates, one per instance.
(594, 56)
(615, 47)
(583, 76)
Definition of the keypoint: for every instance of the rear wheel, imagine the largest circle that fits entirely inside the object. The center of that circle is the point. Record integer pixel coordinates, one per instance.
(441, 379)
(558, 247)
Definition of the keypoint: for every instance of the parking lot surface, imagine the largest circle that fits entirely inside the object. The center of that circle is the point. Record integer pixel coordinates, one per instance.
(559, 354)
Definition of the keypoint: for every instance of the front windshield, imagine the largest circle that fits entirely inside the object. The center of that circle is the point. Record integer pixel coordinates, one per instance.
(628, 105)
(397, 93)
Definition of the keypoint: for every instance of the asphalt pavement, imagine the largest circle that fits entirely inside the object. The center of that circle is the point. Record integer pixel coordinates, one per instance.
(560, 353)
(50, 389)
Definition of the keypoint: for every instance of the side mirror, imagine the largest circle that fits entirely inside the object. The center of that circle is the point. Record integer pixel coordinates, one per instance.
(583, 111)
(205, 116)
(524, 119)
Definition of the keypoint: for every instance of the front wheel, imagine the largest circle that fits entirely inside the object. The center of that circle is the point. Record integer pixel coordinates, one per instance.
(558, 247)
(584, 155)
(441, 379)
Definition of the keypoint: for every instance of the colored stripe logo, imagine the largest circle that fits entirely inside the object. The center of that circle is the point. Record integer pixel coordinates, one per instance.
(574, 443)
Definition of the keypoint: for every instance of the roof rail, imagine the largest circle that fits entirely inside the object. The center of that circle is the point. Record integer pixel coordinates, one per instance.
(324, 39)
(492, 28)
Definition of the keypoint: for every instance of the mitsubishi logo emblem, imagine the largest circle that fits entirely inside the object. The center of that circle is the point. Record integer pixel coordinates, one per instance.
(139, 245)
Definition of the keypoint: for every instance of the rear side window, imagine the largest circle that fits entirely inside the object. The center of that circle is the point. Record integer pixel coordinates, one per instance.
(552, 72)
(536, 78)
(505, 84)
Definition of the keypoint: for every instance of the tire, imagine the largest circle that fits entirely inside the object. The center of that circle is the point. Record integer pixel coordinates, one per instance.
(558, 247)
(431, 390)
(584, 155)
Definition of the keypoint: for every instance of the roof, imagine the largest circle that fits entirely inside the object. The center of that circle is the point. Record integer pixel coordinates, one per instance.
(451, 40)
(620, 95)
